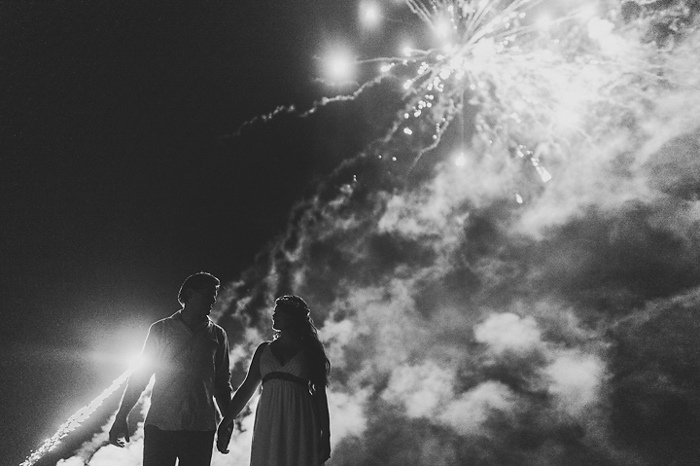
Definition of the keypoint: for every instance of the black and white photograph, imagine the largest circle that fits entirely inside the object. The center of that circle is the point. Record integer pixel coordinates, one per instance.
(350, 232)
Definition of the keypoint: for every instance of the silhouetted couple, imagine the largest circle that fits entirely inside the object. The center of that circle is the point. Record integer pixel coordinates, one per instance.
(189, 355)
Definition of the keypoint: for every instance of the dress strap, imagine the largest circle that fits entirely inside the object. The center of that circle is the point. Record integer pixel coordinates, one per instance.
(285, 376)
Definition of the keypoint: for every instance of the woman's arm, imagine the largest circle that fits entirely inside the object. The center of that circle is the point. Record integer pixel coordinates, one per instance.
(241, 398)
(247, 389)
(321, 405)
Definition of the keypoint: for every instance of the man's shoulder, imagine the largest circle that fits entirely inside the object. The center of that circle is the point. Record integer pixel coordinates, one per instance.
(166, 321)
(217, 328)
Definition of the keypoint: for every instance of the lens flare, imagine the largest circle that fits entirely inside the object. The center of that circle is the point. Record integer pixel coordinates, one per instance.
(338, 66)
(460, 159)
(370, 14)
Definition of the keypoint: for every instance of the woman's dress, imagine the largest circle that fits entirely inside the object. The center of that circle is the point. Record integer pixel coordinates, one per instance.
(286, 431)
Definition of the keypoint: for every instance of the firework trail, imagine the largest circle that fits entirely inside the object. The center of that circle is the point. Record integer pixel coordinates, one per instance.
(75, 421)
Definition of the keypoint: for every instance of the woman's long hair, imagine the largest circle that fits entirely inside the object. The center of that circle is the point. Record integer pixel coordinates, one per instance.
(304, 325)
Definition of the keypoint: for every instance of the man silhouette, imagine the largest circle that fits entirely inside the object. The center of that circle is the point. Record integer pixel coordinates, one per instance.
(189, 356)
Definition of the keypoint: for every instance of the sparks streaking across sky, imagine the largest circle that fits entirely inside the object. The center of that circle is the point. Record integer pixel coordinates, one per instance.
(478, 314)
(75, 421)
(530, 73)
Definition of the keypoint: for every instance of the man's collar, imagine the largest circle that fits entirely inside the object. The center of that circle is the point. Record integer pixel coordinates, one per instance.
(178, 316)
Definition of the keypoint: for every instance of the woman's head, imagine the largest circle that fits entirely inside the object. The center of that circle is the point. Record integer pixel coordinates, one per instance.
(292, 313)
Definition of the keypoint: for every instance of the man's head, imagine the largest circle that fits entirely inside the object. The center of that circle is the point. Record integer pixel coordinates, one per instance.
(198, 282)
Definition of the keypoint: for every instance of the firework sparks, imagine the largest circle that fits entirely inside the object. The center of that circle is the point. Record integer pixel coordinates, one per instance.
(515, 74)
(522, 79)
(75, 421)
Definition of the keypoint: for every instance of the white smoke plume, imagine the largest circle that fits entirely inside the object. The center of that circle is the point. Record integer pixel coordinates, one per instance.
(470, 328)
(476, 315)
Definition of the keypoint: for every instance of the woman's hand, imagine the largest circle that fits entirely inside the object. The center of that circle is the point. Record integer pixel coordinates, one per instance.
(324, 446)
(223, 436)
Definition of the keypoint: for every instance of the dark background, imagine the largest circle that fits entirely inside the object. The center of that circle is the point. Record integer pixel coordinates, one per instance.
(120, 174)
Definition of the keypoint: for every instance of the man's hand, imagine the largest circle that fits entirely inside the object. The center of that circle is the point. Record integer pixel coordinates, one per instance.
(119, 429)
(223, 437)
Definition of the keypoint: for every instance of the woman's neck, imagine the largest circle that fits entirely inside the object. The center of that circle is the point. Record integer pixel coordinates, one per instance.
(290, 336)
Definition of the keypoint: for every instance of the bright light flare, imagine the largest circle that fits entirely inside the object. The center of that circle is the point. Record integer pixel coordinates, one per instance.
(442, 28)
(339, 66)
(370, 14)
(137, 361)
(484, 50)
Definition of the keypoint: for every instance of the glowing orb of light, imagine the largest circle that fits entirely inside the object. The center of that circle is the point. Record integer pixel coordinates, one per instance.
(370, 14)
(338, 66)
(460, 159)
(484, 50)
(442, 28)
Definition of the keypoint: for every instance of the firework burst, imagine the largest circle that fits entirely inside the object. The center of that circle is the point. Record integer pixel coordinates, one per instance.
(528, 79)
(524, 79)
(520, 79)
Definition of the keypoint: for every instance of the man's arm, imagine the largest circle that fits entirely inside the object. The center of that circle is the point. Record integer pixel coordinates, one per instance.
(135, 386)
(222, 380)
(137, 383)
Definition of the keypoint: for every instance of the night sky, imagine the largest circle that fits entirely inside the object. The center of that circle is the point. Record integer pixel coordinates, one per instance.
(526, 292)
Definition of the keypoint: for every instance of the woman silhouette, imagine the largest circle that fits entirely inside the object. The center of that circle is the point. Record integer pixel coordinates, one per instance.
(291, 421)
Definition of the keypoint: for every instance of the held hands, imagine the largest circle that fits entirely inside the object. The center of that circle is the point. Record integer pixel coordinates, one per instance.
(119, 429)
(223, 436)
